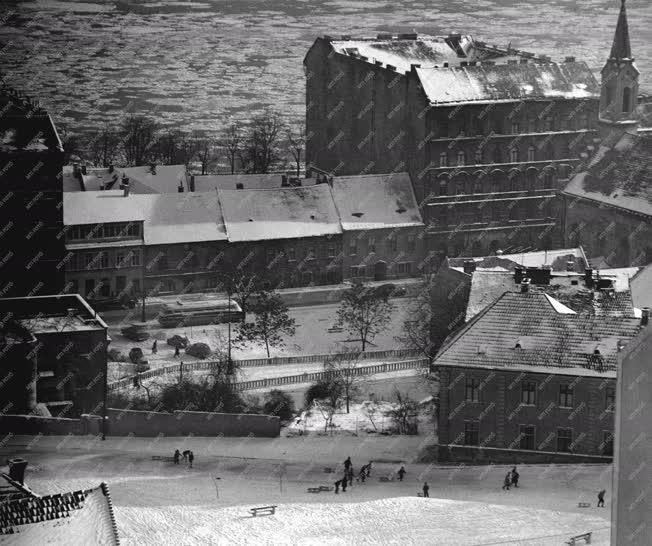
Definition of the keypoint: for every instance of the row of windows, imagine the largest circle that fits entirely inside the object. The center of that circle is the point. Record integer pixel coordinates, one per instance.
(527, 438)
(309, 253)
(401, 268)
(391, 245)
(94, 288)
(513, 155)
(113, 230)
(479, 126)
(529, 394)
(495, 182)
(491, 213)
(87, 261)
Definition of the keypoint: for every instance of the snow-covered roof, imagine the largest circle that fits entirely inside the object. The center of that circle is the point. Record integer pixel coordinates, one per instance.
(556, 259)
(284, 213)
(166, 179)
(641, 286)
(376, 201)
(167, 218)
(207, 182)
(508, 82)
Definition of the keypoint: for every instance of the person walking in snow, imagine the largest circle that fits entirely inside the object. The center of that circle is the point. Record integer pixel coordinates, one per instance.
(344, 480)
(508, 481)
(401, 473)
(337, 486)
(176, 351)
(349, 474)
(185, 454)
(426, 490)
(177, 455)
(347, 464)
(601, 498)
(154, 347)
(363, 474)
(515, 477)
(191, 458)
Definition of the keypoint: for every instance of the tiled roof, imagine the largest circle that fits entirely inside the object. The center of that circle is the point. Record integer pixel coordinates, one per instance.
(619, 175)
(11, 490)
(488, 286)
(83, 516)
(526, 331)
(376, 201)
(508, 82)
(285, 213)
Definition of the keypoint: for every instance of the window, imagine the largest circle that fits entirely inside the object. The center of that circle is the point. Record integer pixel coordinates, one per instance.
(531, 125)
(627, 100)
(564, 439)
(270, 255)
(607, 443)
(372, 244)
(356, 271)
(353, 248)
(310, 253)
(516, 129)
(471, 433)
(134, 258)
(472, 391)
(527, 436)
(331, 251)
(104, 260)
(565, 396)
(461, 158)
(404, 268)
(528, 393)
(547, 123)
(119, 259)
(292, 254)
(550, 151)
(497, 155)
(88, 260)
(443, 159)
(163, 264)
(411, 242)
(531, 153)
(478, 156)
(513, 155)
(610, 399)
(73, 286)
(477, 186)
(443, 187)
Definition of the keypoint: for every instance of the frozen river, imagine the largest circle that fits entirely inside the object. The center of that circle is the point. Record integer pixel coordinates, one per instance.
(197, 64)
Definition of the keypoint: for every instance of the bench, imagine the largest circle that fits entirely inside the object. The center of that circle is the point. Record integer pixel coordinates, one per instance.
(162, 458)
(584, 504)
(314, 490)
(269, 510)
(586, 537)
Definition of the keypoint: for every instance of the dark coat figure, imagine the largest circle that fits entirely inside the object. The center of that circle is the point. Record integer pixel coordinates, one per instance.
(426, 490)
(176, 351)
(601, 498)
(508, 481)
(401, 473)
(191, 458)
(363, 474)
(347, 464)
(185, 454)
(177, 456)
(515, 477)
(154, 347)
(349, 475)
(344, 481)
(337, 486)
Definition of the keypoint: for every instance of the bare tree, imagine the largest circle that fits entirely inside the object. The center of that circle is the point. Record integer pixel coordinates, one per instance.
(204, 150)
(329, 402)
(241, 283)
(404, 413)
(371, 408)
(138, 134)
(260, 150)
(364, 312)
(297, 145)
(232, 144)
(104, 148)
(174, 147)
(343, 367)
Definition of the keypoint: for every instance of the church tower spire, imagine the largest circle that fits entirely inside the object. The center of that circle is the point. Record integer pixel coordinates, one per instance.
(619, 88)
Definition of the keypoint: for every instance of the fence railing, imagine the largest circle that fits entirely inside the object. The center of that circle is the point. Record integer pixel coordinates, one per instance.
(207, 365)
(308, 377)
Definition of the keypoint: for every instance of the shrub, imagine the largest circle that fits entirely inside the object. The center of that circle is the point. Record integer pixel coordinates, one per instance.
(199, 350)
(119, 400)
(215, 396)
(317, 391)
(280, 404)
(116, 356)
(178, 341)
(136, 355)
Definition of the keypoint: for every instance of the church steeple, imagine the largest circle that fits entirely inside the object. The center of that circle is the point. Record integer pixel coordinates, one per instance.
(621, 49)
(619, 88)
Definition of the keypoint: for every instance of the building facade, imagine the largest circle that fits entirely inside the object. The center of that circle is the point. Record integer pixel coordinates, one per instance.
(31, 160)
(485, 158)
(531, 378)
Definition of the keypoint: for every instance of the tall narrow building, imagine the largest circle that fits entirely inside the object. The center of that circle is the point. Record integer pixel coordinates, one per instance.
(31, 230)
(619, 86)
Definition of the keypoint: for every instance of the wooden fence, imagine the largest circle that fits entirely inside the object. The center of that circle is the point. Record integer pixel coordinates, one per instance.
(207, 365)
(274, 381)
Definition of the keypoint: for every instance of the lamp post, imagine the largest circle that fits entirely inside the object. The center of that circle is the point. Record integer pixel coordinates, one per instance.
(142, 280)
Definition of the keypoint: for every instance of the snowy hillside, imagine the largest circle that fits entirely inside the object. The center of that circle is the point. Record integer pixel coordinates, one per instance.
(397, 521)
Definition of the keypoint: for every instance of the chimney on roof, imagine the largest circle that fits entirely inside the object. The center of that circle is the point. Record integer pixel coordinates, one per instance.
(569, 59)
(152, 168)
(464, 63)
(192, 182)
(180, 188)
(76, 171)
(645, 316)
(539, 275)
(17, 469)
(588, 277)
(391, 67)
(469, 266)
(413, 67)
(519, 274)
(125, 189)
(525, 285)
(445, 65)
(239, 186)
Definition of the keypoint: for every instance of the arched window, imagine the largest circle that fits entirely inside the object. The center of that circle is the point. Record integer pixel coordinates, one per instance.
(627, 100)
(497, 155)
(531, 153)
(516, 129)
(513, 155)
(443, 186)
(549, 179)
(461, 158)
(513, 182)
(478, 156)
(496, 178)
(531, 177)
(477, 186)
(443, 159)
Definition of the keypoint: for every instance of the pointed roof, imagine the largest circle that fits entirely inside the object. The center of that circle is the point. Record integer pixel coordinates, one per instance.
(621, 48)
